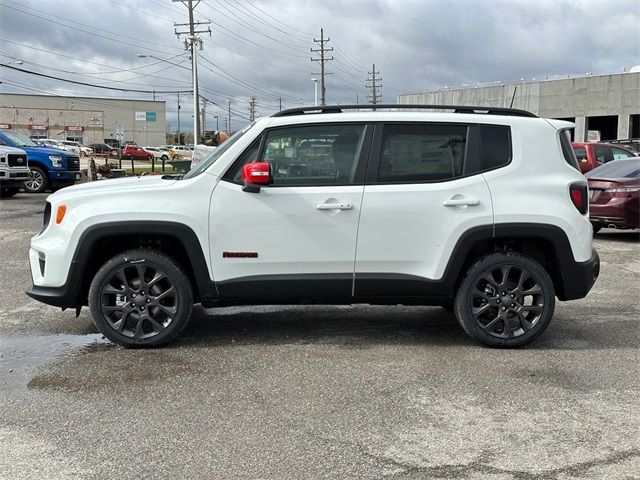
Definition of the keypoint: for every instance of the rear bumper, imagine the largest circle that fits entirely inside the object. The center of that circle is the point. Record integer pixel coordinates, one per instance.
(579, 277)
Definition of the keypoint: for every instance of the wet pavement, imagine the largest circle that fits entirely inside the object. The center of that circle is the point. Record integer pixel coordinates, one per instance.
(319, 392)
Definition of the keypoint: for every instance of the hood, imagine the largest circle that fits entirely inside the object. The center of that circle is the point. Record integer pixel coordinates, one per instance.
(49, 151)
(102, 187)
(4, 149)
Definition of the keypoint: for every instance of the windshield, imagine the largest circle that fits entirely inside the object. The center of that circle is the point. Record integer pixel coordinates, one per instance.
(211, 159)
(617, 169)
(18, 139)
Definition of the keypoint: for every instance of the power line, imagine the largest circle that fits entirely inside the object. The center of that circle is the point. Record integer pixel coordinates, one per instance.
(92, 33)
(89, 84)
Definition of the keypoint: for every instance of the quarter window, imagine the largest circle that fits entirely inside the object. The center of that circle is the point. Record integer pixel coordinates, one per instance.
(422, 153)
(495, 146)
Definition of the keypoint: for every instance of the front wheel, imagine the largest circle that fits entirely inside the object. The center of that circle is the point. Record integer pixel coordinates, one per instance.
(505, 300)
(140, 298)
(38, 182)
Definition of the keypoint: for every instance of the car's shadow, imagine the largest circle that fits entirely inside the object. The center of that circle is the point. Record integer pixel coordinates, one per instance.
(355, 327)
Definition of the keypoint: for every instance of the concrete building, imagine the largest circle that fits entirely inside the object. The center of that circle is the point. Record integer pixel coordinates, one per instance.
(604, 107)
(84, 119)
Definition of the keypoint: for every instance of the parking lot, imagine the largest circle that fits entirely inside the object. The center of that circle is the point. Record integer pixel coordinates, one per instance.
(319, 391)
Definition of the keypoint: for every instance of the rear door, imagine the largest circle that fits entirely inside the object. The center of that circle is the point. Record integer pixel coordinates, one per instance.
(424, 190)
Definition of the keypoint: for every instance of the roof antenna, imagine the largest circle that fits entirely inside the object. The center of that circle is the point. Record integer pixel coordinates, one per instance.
(514, 96)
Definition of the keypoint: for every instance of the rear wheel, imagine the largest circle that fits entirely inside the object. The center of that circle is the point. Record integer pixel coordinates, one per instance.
(596, 228)
(38, 182)
(140, 298)
(505, 300)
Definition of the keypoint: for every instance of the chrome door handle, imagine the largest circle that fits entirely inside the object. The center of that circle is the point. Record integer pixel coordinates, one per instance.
(452, 202)
(334, 206)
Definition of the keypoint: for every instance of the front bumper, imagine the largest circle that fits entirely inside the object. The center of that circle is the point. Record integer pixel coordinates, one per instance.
(8, 177)
(62, 176)
(579, 277)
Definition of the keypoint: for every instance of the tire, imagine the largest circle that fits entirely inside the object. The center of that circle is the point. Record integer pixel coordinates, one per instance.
(82, 154)
(505, 300)
(164, 158)
(7, 192)
(138, 314)
(114, 153)
(596, 228)
(39, 181)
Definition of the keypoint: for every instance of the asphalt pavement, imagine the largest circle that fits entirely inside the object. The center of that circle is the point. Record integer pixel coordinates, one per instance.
(319, 392)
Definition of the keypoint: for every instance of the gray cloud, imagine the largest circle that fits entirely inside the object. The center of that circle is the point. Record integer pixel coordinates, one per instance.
(415, 45)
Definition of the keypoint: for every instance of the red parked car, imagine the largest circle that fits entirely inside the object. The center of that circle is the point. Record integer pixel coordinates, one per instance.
(135, 152)
(592, 155)
(614, 198)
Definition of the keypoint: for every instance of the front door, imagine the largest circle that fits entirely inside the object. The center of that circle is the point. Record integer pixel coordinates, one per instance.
(295, 238)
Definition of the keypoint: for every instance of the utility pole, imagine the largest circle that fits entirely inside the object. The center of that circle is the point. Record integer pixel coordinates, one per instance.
(322, 60)
(252, 109)
(193, 44)
(229, 116)
(374, 85)
(279, 104)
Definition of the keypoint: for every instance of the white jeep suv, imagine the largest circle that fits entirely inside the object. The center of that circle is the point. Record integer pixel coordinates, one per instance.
(478, 209)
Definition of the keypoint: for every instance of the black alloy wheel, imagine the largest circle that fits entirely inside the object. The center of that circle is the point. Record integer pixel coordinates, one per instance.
(506, 299)
(140, 298)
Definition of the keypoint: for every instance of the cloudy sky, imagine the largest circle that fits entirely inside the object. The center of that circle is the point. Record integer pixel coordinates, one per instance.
(262, 48)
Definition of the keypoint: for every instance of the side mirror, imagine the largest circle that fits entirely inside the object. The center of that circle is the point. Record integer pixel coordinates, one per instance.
(256, 174)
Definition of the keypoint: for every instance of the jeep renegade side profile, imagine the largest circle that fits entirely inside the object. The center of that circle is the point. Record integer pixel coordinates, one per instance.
(335, 205)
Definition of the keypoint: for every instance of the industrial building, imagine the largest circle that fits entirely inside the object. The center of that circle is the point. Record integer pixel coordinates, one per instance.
(603, 107)
(84, 119)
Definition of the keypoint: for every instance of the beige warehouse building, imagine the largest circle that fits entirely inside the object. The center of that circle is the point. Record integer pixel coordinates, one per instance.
(84, 119)
(604, 107)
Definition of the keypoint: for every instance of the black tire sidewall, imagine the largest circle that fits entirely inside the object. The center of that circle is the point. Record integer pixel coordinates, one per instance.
(160, 261)
(462, 305)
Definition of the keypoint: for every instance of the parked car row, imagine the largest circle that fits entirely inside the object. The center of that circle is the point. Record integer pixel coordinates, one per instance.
(49, 167)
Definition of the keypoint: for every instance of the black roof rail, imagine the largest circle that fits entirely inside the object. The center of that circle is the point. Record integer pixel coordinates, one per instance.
(404, 106)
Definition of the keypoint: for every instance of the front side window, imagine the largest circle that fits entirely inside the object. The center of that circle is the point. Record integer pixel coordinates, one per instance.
(312, 155)
(422, 153)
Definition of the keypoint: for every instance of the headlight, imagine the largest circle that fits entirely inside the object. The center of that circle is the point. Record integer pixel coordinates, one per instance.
(56, 160)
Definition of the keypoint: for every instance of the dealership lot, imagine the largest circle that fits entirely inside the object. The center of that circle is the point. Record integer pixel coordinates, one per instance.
(319, 392)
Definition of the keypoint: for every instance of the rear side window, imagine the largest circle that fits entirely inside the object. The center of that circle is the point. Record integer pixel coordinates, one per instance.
(567, 149)
(495, 146)
(422, 153)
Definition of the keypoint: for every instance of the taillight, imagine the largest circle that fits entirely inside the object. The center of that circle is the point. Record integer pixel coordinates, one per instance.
(579, 197)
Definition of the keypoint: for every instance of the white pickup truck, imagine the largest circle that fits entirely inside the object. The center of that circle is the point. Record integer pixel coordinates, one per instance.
(14, 170)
